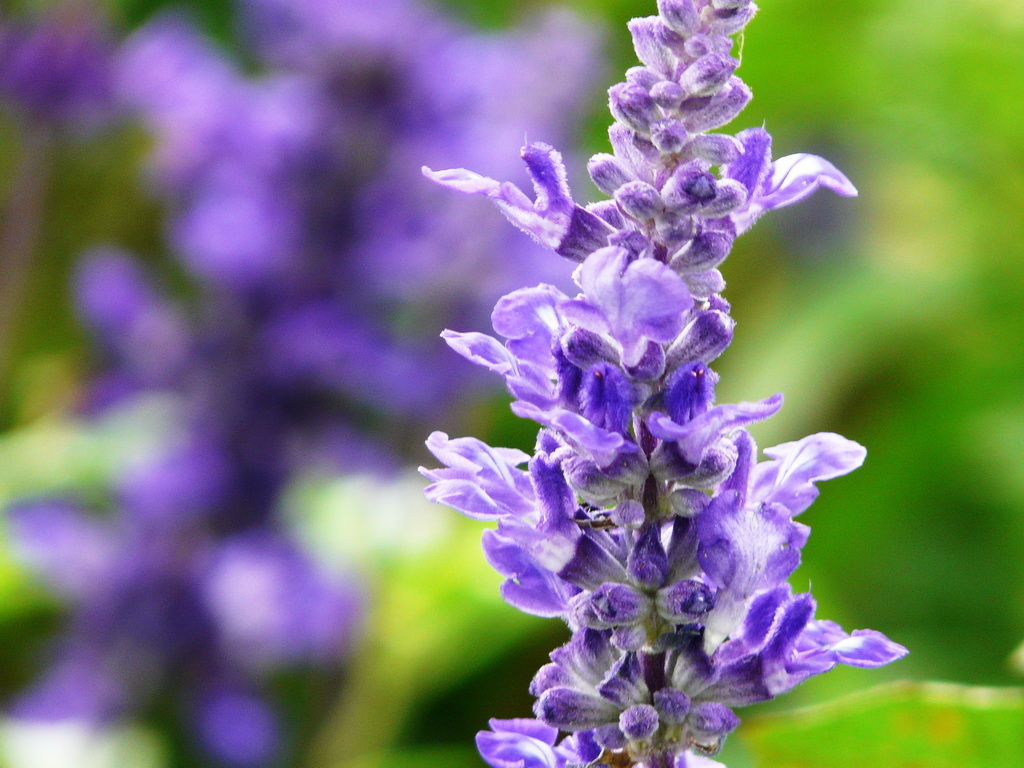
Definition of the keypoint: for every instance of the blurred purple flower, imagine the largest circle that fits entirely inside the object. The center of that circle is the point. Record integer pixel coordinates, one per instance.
(57, 68)
(320, 265)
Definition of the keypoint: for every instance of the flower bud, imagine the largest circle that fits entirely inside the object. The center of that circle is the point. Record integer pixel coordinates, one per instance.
(703, 285)
(672, 705)
(687, 502)
(618, 605)
(608, 172)
(704, 339)
(549, 676)
(727, 21)
(631, 638)
(725, 105)
(674, 229)
(642, 77)
(639, 200)
(706, 251)
(633, 106)
(648, 46)
(647, 562)
(609, 737)
(707, 74)
(689, 189)
(608, 211)
(729, 195)
(679, 15)
(684, 601)
(669, 136)
(708, 724)
(667, 94)
(717, 149)
(573, 710)
(587, 479)
(639, 722)
(585, 348)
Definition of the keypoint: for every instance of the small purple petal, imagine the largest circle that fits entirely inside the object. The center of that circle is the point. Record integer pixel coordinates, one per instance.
(519, 743)
(480, 481)
(603, 446)
(789, 478)
(697, 435)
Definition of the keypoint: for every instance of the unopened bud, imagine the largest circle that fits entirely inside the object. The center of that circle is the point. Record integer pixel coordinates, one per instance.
(667, 94)
(639, 200)
(608, 172)
(669, 136)
(704, 339)
(684, 601)
(639, 722)
(633, 106)
(680, 15)
(726, 105)
(728, 21)
(717, 149)
(707, 74)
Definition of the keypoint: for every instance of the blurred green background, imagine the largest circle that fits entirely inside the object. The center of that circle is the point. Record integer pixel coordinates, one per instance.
(895, 319)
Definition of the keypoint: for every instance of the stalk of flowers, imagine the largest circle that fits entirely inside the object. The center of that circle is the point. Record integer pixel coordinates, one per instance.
(288, 205)
(644, 518)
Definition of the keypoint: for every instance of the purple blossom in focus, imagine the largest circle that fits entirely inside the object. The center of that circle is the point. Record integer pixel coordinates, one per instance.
(317, 261)
(644, 519)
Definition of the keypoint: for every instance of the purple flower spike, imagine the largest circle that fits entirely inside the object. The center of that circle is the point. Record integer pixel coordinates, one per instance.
(656, 534)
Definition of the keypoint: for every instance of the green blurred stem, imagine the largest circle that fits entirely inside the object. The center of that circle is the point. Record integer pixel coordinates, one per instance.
(377, 683)
(20, 223)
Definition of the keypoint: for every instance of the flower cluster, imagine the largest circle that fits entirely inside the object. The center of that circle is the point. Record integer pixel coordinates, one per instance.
(290, 202)
(645, 518)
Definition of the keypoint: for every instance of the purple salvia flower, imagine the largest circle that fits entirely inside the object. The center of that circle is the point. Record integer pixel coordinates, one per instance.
(669, 557)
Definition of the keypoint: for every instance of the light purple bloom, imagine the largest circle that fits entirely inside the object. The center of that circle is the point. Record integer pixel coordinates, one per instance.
(653, 530)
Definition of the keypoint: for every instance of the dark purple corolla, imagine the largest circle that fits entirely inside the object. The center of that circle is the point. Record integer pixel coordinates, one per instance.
(317, 260)
(645, 518)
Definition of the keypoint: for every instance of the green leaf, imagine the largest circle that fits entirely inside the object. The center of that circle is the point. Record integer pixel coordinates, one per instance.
(904, 725)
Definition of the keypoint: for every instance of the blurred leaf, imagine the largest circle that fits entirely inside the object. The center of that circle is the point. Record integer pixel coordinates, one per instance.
(436, 617)
(448, 757)
(61, 745)
(906, 725)
(58, 456)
